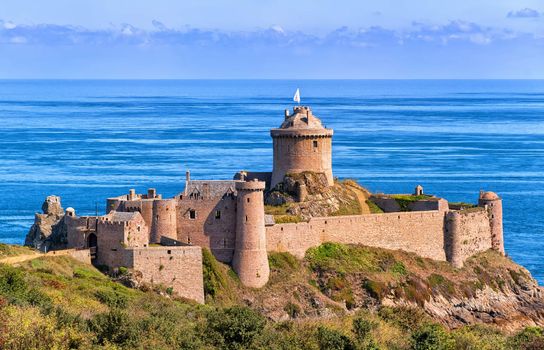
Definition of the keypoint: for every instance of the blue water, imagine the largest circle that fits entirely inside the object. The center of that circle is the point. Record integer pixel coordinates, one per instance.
(86, 140)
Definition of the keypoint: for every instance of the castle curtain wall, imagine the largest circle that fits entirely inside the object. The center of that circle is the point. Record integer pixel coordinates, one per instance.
(428, 233)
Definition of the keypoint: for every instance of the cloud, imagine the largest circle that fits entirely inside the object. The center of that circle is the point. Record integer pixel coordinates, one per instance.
(524, 13)
(273, 37)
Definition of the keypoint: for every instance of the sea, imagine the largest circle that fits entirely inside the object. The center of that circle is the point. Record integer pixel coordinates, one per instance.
(85, 140)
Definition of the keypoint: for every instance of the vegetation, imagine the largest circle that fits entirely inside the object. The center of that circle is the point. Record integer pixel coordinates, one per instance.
(59, 303)
(374, 208)
(404, 200)
(7, 250)
(281, 215)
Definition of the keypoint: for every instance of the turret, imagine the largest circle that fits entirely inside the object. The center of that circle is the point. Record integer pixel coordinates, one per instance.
(164, 220)
(493, 203)
(301, 144)
(250, 259)
(453, 244)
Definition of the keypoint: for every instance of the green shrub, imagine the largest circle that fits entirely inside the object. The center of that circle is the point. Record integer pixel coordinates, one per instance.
(330, 339)
(399, 269)
(432, 337)
(406, 318)
(363, 328)
(235, 327)
(15, 289)
(530, 338)
(282, 261)
(293, 310)
(117, 327)
(112, 298)
(213, 279)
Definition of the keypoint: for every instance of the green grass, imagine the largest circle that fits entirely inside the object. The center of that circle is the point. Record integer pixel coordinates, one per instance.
(7, 250)
(351, 207)
(287, 219)
(60, 303)
(374, 209)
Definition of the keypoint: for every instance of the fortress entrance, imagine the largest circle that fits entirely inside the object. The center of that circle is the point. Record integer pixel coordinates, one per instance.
(91, 243)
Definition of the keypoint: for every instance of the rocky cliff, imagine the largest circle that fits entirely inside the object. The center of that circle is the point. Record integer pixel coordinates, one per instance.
(305, 195)
(335, 280)
(49, 229)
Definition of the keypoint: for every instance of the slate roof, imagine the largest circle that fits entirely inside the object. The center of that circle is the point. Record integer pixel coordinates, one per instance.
(210, 188)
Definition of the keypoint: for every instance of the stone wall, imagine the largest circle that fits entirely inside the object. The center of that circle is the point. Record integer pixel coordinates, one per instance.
(179, 268)
(418, 232)
(78, 229)
(468, 232)
(206, 230)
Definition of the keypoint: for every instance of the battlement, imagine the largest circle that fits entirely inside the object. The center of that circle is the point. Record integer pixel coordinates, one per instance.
(254, 185)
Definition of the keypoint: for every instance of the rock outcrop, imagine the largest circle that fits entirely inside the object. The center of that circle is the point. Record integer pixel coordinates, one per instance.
(49, 230)
(308, 195)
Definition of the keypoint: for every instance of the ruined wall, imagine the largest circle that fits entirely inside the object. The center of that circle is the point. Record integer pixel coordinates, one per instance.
(468, 232)
(177, 267)
(205, 229)
(418, 232)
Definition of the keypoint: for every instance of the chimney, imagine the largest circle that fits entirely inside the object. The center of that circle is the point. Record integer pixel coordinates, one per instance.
(131, 194)
(286, 113)
(151, 193)
(187, 176)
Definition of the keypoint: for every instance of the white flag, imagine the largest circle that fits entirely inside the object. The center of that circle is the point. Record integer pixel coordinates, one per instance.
(296, 98)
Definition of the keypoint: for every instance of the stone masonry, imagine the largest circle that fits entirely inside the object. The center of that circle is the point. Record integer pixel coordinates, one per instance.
(161, 238)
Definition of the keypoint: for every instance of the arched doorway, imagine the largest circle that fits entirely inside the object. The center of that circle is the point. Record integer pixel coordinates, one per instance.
(91, 244)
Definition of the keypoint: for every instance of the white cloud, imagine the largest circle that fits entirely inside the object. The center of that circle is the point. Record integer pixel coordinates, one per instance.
(524, 13)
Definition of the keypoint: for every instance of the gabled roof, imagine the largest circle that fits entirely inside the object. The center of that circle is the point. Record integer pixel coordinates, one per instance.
(210, 188)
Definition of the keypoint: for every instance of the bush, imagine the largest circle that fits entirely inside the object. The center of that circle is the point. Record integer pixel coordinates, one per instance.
(213, 279)
(235, 327)
(14, 288)
(432, 337)
(293, 310)
(362, 328)
(116, 327)
(330, 339)
(112, 298)
(528, 339)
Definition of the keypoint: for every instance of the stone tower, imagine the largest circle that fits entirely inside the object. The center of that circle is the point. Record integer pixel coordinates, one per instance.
(494, 207)
(301, 144)
(164, 220)
(250, 259)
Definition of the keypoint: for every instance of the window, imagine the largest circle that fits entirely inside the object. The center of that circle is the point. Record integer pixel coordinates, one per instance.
(192, 214)
(248, 199)
(169, 251)
(218, 214)
(315, 144)
(246, 218)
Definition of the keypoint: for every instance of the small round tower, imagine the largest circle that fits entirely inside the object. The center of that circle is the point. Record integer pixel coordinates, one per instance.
(164, 220)
(494, 206)
(250, 259)
(301, 144)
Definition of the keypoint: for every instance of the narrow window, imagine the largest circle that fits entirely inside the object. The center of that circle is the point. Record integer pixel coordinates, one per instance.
(315, 144)
(192, 214)
(246, 218)
(218, 214)
(248, 199)
(169, 251)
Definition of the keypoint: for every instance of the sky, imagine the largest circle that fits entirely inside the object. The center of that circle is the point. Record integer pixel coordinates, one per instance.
(273, 39)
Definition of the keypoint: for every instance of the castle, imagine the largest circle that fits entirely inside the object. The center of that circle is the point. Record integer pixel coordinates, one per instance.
(162, 238)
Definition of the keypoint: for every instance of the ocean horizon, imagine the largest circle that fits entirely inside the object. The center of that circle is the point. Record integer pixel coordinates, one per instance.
(86, 140)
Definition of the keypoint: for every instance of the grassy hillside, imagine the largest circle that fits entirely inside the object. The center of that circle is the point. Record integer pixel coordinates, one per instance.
(59, 303)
